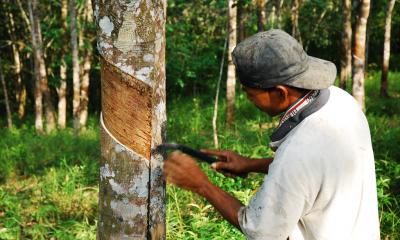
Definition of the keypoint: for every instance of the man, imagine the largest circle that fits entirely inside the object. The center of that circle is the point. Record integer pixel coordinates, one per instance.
(321, 182)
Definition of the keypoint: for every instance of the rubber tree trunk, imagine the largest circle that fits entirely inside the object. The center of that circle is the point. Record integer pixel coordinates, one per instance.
(75, 67)
(3, 82)
(242, 29)
(62, 89)
(295, 21)
(386, 48)
(345, 50)
(279, 13)
(33, 14)
(359, 52)
(231, 80)
(87, 63)
(131, 43)
(20, 91)
(261, 15)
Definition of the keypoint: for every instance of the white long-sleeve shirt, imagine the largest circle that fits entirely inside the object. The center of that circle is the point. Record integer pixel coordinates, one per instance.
(321, 184)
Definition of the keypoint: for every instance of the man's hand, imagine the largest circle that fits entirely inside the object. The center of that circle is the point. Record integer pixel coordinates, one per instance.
(229, 161)
(238, 163)
(182, 171)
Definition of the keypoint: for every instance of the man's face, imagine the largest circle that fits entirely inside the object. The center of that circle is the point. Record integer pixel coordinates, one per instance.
(267, 101)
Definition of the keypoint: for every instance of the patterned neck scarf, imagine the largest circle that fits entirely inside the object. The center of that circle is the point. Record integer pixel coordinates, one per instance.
(306, 105)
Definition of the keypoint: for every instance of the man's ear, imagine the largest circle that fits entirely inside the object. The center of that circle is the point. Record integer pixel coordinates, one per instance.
(283, 93)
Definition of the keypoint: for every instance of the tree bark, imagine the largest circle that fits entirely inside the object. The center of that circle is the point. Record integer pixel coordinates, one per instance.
(242, 29)
(367, 36)
(87, 63)
(75, 67)
(345, 51)
(359, 52)
(62, 89)
(48, 106)
(279, 13)
(132, 61)
(33, 14)
(9, 120)
(386, 49)
(260, 16)
(231, 80)
(295, 21)
(20, 91)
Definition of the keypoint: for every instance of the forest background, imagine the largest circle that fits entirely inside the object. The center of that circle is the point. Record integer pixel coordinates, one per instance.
(49, 181)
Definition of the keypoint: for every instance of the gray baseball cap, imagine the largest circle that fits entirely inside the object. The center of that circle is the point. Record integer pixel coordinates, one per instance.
(272, 58)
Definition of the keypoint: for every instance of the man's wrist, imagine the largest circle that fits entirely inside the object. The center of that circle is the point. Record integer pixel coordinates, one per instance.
(204, 188)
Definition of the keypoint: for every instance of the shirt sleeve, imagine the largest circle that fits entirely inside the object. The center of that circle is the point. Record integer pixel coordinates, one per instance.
(272, 213)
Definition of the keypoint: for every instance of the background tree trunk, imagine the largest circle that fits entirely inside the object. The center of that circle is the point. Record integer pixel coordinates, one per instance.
(87, 63)
(260, 16)
(132, 61)
(62, 90)
(48, 106)
(20, 91)
(75, 66)
(242, 29)
(279, 13)
(231, 80)
(9, 120)
(367, 37)
(33, 14)
(362, 13)
(386, 48)
(345, 44)
(295, 21)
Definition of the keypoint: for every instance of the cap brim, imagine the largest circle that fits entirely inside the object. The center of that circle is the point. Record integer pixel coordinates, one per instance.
(320, 75)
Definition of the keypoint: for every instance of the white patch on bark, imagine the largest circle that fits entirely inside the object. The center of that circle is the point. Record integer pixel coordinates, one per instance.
(106, 26)
(144, 74)
(127, 69)
(125, 209)
(140, 185)
(106, 172)
(148, 57)
(116, 187)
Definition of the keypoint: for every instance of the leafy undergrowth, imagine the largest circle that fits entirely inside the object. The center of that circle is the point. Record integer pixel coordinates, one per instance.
(49, 183)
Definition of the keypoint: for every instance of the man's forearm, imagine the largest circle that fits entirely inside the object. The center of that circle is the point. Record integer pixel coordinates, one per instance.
(227, 205)
(260, 165)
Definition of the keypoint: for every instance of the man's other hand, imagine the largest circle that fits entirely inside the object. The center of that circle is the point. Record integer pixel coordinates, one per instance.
(181, 170)
(229, 161)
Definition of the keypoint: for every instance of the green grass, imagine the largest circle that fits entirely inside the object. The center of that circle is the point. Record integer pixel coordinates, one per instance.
(49, 183)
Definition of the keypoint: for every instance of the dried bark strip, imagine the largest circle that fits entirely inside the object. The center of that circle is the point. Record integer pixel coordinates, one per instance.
(131, 41)
(359, 52)
(386, 49)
